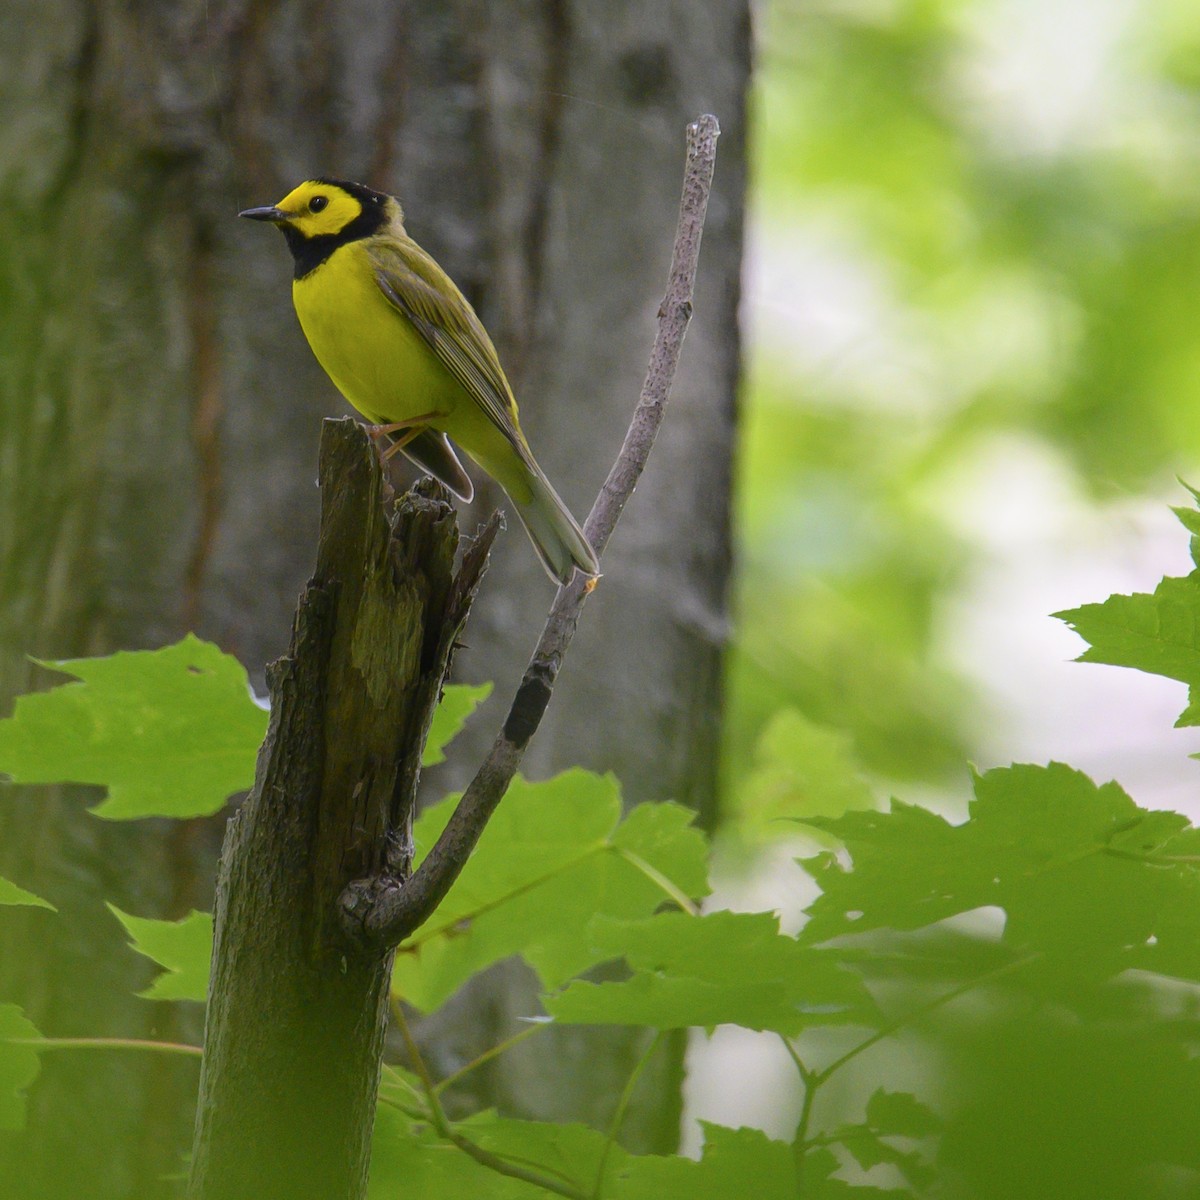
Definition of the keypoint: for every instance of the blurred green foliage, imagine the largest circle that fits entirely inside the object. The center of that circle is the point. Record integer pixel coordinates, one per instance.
(970, 217)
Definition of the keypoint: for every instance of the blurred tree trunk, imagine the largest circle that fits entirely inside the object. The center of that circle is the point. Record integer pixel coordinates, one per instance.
(159, 420)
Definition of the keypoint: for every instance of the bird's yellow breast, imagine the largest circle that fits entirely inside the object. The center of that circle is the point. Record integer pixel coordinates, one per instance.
(374, 355)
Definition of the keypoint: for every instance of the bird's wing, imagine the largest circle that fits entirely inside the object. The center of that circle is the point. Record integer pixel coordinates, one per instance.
(423, 293)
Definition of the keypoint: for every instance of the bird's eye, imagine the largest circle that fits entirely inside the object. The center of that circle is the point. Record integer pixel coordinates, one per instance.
(317, 203)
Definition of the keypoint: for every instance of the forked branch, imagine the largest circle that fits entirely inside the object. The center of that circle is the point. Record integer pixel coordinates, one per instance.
(382, 912)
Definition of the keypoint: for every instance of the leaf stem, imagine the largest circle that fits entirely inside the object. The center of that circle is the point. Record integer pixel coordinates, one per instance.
(415, 1114)
(488, 1055)
(429, 933)
(101, 1043)
(618, 1118)
(1162, 860)
(656, 876)
(437, 1114)
(892, 1026)
(803, 1071)
(800, 1142)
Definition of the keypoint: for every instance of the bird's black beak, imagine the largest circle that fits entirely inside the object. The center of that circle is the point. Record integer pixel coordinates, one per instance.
(269, 213)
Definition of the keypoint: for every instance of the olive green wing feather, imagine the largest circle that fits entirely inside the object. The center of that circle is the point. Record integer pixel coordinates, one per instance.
(423, 293)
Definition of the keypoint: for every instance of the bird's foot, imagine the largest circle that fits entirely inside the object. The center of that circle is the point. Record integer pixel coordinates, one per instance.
(407, 430)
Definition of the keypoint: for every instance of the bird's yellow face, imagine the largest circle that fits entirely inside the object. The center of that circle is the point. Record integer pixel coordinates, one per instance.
(316, 209)
(322, 215)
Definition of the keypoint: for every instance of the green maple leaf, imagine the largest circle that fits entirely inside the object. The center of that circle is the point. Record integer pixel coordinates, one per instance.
(409, 1159)
(801, 769)
(1084, 876)
(555, 854)
(19, 1064)
(901, 1114)
(1157, 633)
(723, 968)
(11, 894)
(459, 701)
(183, 948)
(734, 1163)
(171, 732)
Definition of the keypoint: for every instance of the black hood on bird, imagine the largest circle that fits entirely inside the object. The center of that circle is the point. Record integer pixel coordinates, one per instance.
(366, 196)
(308, 253)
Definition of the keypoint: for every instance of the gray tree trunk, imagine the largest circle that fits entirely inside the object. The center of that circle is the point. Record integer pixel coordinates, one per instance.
(159, 417)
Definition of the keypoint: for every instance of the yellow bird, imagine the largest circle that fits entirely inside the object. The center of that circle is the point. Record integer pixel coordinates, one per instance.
(404, 346)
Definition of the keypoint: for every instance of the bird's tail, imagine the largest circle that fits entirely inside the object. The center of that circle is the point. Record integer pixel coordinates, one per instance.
(555, 534)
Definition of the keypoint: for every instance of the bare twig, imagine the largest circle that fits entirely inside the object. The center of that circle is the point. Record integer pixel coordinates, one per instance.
(383, 912)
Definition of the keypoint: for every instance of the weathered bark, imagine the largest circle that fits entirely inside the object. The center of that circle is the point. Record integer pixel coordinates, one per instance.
(159, 411)
(297, 1015)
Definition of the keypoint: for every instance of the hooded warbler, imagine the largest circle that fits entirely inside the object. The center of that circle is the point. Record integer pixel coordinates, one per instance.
(404, 346)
